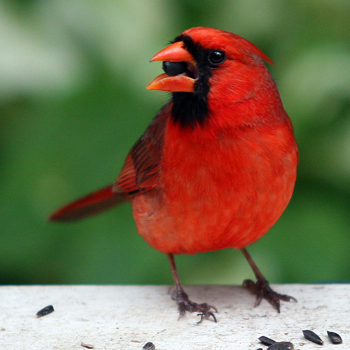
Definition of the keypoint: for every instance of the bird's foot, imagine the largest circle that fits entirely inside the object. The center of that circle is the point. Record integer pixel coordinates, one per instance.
(185, 304)
(263, 291)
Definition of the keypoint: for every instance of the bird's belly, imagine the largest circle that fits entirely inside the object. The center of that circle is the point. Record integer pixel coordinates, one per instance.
(205, 206)
(189, 226)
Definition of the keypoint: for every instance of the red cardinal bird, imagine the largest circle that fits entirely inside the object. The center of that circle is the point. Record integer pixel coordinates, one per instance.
(217, 165)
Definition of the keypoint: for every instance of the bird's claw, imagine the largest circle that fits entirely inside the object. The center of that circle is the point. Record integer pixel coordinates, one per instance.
(263, 290)
(185, 304)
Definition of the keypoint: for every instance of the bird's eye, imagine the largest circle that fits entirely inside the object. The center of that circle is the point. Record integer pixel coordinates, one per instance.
(174, 68)
(216, 57)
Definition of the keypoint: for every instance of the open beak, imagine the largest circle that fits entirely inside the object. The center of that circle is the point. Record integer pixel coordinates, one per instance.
(183, 82)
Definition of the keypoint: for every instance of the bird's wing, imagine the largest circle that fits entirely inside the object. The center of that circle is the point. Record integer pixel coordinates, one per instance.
(139, 174)
(141, 166)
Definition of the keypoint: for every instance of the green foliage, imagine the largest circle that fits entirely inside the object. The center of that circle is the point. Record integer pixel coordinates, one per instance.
(73, 102)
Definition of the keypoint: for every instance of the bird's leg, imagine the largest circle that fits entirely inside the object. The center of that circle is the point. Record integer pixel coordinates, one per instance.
(262, 288)
(183, 302)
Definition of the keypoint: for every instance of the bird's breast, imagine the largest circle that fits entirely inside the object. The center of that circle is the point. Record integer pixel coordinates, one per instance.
(225, 189)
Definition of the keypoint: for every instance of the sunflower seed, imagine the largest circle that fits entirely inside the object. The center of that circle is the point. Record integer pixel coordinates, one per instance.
(335, 337)
(45, 311)
(149, 346)
(312, 336)
(283, 345)
(266, 340)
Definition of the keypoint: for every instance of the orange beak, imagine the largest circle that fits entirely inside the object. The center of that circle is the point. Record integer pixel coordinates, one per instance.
(178, 83)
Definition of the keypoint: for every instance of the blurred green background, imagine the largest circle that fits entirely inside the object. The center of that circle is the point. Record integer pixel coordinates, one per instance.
(73, 101)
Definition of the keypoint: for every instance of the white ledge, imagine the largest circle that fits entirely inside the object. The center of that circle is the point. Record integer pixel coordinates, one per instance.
(127, 317)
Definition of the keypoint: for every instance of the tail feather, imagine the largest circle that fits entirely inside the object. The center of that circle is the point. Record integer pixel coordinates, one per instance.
(91, 204)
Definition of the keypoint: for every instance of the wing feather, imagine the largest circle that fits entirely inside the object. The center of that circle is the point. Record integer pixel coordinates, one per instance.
(139, 174)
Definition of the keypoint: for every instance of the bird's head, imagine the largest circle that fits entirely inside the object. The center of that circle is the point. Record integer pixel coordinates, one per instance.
(203, 65)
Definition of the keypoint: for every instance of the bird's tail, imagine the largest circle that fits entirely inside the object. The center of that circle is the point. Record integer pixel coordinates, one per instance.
(91, 204)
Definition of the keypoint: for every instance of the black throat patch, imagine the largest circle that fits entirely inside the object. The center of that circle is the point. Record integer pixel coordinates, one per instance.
(191, 109)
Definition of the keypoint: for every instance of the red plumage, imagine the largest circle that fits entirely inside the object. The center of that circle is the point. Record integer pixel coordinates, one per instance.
(217, 165)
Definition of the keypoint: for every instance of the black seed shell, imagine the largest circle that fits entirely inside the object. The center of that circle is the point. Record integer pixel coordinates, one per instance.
(174, 68)
(266, 340)
(334, 337)
(45, 311)
(283, 345)
(312, 336)
(149, 346)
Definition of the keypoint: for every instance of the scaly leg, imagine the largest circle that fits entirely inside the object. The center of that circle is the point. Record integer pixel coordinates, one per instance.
(183, 302)
(262, 288)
